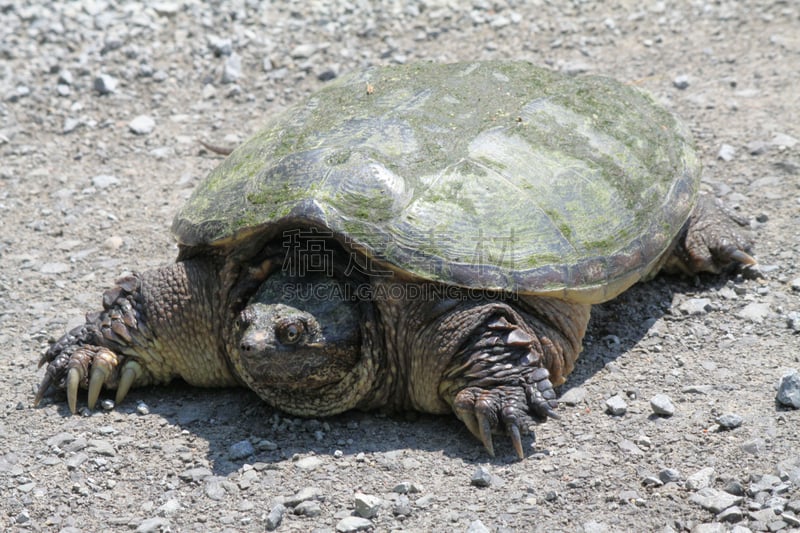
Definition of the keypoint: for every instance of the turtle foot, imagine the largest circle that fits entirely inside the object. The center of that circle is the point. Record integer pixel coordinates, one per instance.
(713, 241)
(83, 359)
(511, 410)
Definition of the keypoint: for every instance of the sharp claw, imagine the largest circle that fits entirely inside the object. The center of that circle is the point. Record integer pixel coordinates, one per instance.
(43, 387)
(73, 382)
(98, 377)
(516, 440)
(743, 258)
(486, 434)
(130, 373)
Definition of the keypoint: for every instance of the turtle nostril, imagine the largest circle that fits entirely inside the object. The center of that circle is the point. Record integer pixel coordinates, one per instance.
(254, 342)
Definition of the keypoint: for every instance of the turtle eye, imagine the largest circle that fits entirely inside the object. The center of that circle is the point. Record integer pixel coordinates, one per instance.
(244, 318)
(290, 332)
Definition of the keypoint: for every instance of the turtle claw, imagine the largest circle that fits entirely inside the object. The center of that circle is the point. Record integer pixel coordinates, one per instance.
(73, 383)
(73, 367)
(507, 409)
(131, 371)
(485, 433)
(516, 440)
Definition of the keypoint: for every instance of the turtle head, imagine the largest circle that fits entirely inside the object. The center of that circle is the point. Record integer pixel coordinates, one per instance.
(297, 333)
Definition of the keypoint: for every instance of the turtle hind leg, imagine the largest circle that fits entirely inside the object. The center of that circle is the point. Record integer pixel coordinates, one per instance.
(712, 240)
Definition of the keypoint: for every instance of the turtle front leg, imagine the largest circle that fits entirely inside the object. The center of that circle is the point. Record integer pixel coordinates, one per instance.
(712, 240)
(102, 351)
(154, 326)
(501, 380)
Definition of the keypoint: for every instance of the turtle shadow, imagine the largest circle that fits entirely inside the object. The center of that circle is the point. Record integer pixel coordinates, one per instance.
(236, 415)
(616, 327)
(619, 326)
(241, 429)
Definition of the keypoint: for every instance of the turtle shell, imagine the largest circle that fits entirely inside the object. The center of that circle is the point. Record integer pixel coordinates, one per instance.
(489, 175)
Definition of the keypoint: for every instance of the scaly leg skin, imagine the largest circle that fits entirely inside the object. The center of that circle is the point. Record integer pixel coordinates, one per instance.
(154, 326)
(501, 379)
(711, 241)
(82, 358)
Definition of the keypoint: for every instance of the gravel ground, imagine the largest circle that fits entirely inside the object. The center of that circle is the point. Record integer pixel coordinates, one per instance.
(101, 106)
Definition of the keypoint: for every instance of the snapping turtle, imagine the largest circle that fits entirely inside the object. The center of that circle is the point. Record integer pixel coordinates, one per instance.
(423, 237)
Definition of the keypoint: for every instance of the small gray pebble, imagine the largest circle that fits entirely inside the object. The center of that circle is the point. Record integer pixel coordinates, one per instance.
(367, 505)
(70, 125)
(669, 475)
(681, 82)
(754, 446)
(629, 446)
(220, 47)
(303, 51)
(700, 479)
(793, 321)
(402, 506)
(105, 84)
(714, 500)
(195, 474)
(729, 421)
(104, 181)
(726, 152)
(789, 390)
(757, 147)
(662, 405)
(481, 477)
(142, 125)
(275, 517)
(755, 312)
(695, 306)
(353, 523)
(326, 75)
(241, 450)
(627, 496)
(308, 508)
(308, 463)
(616, 405)
(790, 519)
(214, 488)
(76, 460)
(304, 494)
(54, 268)
(107, 404)
(732, 514)
(735, 488)
(405, 487)
(65, 77)
(232, 70)
(573, 396)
